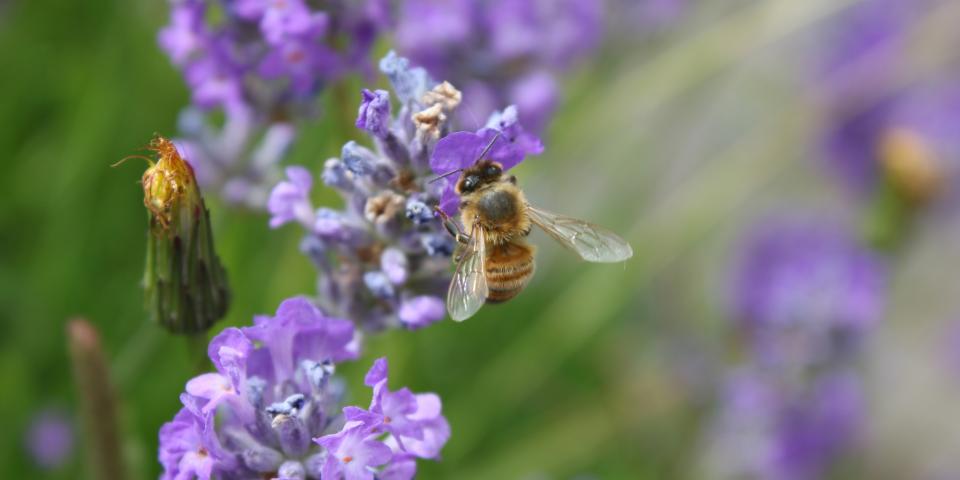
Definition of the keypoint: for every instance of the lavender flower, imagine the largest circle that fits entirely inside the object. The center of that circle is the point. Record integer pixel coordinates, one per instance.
(384, 258)
(805, 294)
(49, 439)
(768, 428)
(502, 51)
(880, 132)
(272, 408)
(808, 284)
(262, 63)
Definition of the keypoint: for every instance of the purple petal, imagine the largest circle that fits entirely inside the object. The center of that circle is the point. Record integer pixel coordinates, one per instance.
(374, 114)
(420, 311)
(377, 373)
(457, 150)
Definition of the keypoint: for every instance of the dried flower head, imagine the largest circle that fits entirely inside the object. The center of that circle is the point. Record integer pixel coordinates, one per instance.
(186, 286)
(169, 184)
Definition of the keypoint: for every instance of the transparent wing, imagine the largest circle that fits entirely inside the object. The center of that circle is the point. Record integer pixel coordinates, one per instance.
(468, 289)
(592, 243)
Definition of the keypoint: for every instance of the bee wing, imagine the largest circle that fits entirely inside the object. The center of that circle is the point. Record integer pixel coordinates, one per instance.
(592, 243)
(468, 289)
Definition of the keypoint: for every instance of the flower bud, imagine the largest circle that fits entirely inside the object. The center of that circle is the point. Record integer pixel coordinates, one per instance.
(186, 286)
(910, 166)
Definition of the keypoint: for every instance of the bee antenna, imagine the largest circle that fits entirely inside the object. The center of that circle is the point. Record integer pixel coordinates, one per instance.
(486, 149)
(445, 175)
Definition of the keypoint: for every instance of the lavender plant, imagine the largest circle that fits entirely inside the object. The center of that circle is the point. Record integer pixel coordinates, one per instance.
(384, 258)
(500, 52)
(272, 408)
(806, 295)
(262, 64)
(885, 132)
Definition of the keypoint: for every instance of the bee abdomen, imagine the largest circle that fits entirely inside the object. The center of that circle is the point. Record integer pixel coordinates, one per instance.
(508, 270)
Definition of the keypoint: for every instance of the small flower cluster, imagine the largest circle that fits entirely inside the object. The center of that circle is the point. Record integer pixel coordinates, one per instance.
(262, 63)
(806, 295)
(271, 409)
(500, 52)
(384, 258)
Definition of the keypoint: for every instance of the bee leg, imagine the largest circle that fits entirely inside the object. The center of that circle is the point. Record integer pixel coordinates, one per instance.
(452, 227)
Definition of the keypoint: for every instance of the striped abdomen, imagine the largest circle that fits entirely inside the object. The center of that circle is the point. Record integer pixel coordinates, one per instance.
(508, 268)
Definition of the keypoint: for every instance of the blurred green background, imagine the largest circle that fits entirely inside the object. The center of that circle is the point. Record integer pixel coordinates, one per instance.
(676, 139)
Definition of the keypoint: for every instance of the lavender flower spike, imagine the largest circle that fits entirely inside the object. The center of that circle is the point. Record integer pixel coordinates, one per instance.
(272, 408)
(806, 294)
(263, 64)
(384, 258)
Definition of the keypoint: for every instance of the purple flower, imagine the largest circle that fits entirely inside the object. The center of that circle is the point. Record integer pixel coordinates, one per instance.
(226, 159)
(374, 115)
(291, 19)
(352, 452)
(462, 149)
(300, 331)
(768, 428)
(49, 439)
(183, 37)
(407, 417)
(383, 259)
(513, 48)
(878, 129)
(420, 311)
(187, 447)
(805, 296)
(798, 276)
(290, 200)
(270, 60)
(276, 400)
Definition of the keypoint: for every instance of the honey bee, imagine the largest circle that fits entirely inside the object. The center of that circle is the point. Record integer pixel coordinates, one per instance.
(495, 261)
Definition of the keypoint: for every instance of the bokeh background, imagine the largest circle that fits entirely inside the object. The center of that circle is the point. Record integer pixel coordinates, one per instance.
(691, 123)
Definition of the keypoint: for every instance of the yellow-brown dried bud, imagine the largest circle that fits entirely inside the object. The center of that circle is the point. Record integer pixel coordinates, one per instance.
(910, 166)
(428, 121)
(444, 95)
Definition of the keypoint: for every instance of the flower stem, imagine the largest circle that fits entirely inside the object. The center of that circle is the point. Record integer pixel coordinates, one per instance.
(98, 402)
(197, 352)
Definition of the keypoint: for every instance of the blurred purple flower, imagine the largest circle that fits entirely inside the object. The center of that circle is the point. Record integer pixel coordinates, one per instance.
(870, 107)
(805, 295)
(271, 407)
(420, 311)
(49, 439)
(502, 51)
(290, 199)
(263, 63)
(769, 428)
(805, 282)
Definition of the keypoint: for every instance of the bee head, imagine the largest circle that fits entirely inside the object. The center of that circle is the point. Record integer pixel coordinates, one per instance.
(482, 173)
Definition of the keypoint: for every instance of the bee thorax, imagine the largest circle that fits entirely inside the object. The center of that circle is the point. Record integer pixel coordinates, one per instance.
(498, 206)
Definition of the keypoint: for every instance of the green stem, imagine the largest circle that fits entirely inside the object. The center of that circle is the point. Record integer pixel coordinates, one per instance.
(197, 352)
(888, 220)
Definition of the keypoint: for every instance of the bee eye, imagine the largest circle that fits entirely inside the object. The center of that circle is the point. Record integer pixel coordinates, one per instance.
(492, 170)
(470, 182)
